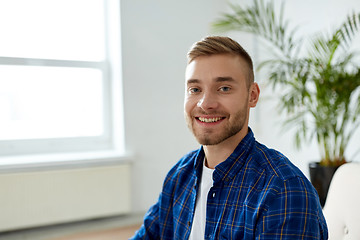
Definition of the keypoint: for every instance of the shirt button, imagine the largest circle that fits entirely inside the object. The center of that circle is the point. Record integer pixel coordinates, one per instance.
(214, 194)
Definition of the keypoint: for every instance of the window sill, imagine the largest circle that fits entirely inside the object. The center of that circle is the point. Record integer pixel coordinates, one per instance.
(57, 161)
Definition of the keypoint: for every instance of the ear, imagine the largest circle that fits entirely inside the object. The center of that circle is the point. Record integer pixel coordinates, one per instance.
(254, 93)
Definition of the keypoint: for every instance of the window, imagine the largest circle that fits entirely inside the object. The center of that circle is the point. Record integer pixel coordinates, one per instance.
(60, 85)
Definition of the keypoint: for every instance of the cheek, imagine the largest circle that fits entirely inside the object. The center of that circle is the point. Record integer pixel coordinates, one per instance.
(189, 104)
(186, 107)
(236, 104)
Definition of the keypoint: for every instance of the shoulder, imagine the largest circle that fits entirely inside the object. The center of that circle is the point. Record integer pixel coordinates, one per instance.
(280, 174)
(273, 162)
(184, 168)
(288, 192)
(185, 162)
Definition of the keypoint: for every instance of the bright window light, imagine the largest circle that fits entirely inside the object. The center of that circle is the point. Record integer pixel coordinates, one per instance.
(50, 102)
(60, 77)
(56, 29)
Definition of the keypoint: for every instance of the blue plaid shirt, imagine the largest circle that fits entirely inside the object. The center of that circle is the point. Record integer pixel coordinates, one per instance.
(257, 194)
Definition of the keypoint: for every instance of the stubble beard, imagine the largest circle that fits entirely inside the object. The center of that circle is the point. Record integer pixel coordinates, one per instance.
(208, 137)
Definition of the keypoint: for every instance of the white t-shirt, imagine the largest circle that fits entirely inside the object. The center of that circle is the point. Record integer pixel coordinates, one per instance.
(198, 226)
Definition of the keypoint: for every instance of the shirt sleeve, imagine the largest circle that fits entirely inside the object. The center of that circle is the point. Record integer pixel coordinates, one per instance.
(292, 212)
(150, 228)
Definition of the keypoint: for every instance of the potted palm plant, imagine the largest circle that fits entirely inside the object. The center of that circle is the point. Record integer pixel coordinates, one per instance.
(318, 78)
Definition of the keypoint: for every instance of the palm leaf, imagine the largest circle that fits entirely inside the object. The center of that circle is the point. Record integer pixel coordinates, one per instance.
(319, 92)
(260, 19)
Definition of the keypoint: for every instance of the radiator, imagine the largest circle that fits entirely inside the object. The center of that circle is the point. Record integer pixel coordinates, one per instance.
(31, 199)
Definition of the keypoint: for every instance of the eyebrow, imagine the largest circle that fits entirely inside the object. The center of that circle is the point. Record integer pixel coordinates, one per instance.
(218, 79)
(224, 79)
(191, 81)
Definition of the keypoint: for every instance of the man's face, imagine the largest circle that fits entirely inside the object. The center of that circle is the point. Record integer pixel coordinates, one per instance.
(217, 98)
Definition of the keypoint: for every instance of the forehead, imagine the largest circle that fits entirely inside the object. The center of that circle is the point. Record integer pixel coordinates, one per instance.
(216, 66)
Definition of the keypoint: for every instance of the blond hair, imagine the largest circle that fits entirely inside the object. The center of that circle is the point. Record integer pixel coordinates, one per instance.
(214, 45)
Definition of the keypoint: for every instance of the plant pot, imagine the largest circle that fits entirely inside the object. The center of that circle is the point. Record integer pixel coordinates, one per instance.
(320, 177)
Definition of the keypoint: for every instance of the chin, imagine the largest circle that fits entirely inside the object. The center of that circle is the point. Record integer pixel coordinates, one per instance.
(206, 141)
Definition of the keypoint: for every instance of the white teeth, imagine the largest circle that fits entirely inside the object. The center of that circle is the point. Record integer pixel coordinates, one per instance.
(209, 120)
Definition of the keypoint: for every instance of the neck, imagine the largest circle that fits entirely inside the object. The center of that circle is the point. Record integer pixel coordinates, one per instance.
(216, 154)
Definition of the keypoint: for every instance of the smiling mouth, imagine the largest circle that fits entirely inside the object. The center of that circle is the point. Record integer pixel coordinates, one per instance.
(209, 120)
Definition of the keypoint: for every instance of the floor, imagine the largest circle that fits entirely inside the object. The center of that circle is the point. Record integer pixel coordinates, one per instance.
(110, 234)
(119, 228)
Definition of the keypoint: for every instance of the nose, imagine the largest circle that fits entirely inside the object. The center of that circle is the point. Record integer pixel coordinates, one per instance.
(207, 102)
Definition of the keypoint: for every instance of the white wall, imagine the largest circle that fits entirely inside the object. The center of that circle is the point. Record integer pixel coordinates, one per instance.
(156, 36)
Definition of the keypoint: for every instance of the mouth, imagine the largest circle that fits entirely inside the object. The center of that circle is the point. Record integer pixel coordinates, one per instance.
(209, 119)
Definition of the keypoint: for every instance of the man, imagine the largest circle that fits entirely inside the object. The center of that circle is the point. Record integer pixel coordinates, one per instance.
(232, 187)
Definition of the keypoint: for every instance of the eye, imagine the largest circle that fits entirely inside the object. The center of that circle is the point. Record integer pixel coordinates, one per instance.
(193, 90)
(224, 89)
